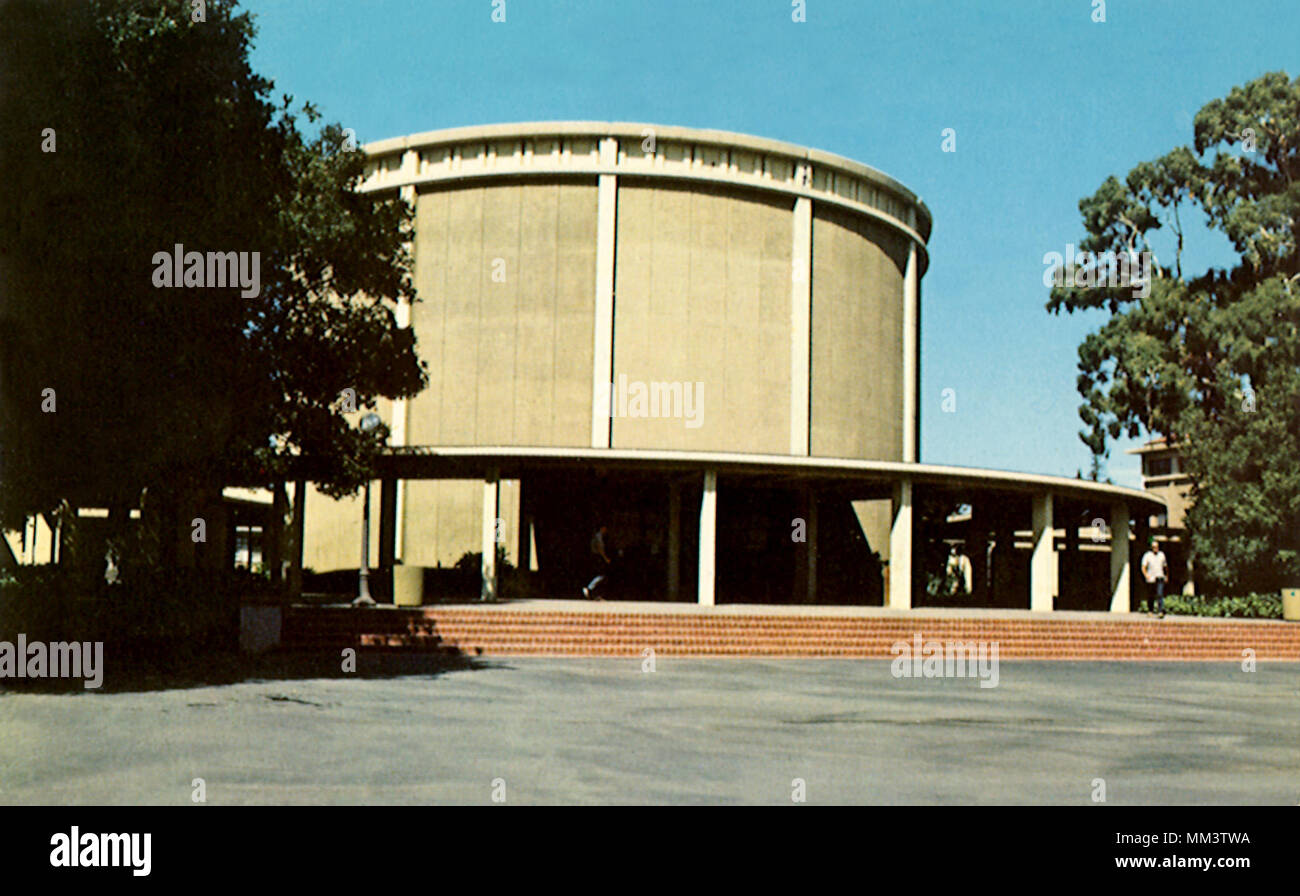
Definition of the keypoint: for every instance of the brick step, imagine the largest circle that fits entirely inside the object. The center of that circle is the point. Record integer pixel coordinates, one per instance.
(848, 637)
(883, 650)
(920, 625)
(874, 650)
(1154, 631)
(329, 629)
(846, 642)
(629, 634)
(585, 649)
(659, 631)
(1043, 618)
(393, 642)
(351, 620)
(1226, 642)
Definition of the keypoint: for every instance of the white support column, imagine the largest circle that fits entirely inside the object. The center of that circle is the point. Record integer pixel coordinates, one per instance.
(708, 537)
(43, 545)
(1042, 560)
(29, 541)
(491, 498)
(13, 541)
(674, 541)
(800, 325)
(1120, 573)
(410, 164)
(911, 321)
(602, 360)
(401, 407)
(900, 548)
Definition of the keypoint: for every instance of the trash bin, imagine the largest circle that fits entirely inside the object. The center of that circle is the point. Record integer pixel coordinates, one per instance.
(1291, 604)
(408, 586)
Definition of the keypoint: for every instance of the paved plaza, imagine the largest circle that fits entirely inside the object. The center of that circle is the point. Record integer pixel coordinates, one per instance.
(693, 731)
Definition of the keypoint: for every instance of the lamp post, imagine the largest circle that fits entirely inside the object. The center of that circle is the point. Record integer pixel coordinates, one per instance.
(368, 423)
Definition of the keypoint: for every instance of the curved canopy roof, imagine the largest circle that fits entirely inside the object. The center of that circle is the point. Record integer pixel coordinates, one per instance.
(508, 462)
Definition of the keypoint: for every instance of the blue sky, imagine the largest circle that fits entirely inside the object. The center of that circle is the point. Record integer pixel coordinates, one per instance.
(1045, 103)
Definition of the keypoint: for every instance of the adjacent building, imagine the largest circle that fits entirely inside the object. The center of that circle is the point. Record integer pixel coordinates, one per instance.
(1164, 476)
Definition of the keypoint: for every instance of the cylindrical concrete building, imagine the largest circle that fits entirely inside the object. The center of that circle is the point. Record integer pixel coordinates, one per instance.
(706, 341)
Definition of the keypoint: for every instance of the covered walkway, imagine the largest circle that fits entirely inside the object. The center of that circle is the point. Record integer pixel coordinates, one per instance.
(767, 497)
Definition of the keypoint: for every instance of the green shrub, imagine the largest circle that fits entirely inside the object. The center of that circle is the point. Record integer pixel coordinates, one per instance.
(153, 621)
(472, 562)
(1250, 606)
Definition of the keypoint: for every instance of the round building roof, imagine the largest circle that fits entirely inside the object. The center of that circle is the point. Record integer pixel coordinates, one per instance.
(645, 150)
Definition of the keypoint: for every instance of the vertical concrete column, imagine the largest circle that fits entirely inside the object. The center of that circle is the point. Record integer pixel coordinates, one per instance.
(273, 542)
(491, 497)
(11, 549)
(602, 359)
(800, 325)
(911, 357)
(29, 541)
(43, 540)
(674, 541)
(401, 407)
(1120, 572)
(900, 548)
(298, 528)
(1043, 579)
(708, 537)
(410, 159)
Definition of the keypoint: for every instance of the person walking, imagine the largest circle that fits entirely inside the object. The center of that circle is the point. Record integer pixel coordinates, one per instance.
(958, 571)
(600, 563)
(1155, 569)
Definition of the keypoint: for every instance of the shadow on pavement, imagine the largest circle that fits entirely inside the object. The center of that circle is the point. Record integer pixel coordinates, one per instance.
(237, 668)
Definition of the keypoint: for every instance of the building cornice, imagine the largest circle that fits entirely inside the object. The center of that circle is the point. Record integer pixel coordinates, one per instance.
(571, 148)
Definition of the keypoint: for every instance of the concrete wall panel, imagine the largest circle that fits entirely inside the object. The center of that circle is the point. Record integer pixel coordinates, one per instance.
(702, 287)
(506, 278)
(857, 347)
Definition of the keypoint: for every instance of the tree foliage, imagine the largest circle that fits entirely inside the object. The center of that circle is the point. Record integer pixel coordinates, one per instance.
(1210, 360)
(164, 135)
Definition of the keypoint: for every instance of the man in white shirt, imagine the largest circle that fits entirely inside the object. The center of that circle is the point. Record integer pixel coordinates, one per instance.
(1155, 569)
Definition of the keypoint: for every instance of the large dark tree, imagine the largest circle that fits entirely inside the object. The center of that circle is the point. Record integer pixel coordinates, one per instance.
(1210, 360)
(163, 135)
